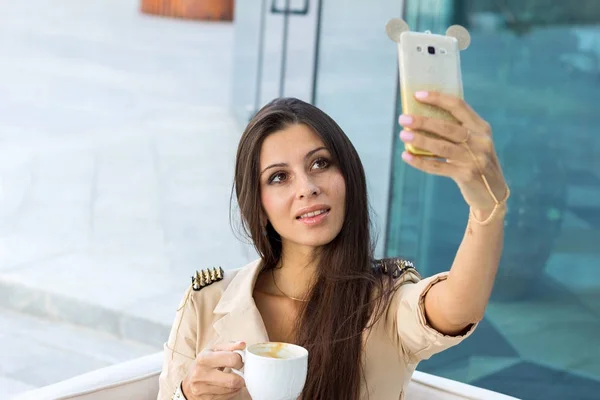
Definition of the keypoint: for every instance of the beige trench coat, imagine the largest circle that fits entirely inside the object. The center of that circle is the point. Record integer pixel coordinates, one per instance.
(225, 311)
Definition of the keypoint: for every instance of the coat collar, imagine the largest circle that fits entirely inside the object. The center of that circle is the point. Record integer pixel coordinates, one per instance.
(241, 320)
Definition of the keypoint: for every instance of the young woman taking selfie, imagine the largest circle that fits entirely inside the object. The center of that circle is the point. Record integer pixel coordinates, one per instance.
(366, 323)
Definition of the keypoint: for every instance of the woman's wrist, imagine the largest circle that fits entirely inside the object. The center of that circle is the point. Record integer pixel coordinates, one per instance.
(486, 216)
(180, 393)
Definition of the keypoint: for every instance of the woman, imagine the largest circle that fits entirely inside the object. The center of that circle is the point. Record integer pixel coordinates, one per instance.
(366, 323)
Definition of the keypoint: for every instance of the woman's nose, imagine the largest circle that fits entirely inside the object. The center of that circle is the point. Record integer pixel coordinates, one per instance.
(308, 188)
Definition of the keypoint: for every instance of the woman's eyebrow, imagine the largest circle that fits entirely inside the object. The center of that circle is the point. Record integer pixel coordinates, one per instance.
(307, 156)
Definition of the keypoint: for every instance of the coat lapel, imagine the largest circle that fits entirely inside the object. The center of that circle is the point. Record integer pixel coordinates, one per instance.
(241, 319)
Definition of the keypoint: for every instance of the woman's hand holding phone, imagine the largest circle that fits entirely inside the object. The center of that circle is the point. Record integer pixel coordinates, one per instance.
(464, 151)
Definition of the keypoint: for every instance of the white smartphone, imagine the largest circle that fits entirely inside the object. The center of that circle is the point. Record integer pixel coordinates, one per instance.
(428, 62)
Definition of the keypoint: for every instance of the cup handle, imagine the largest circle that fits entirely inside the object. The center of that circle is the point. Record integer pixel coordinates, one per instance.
(242, 354)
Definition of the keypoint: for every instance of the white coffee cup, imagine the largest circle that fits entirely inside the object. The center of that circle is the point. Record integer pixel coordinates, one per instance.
(273, 370)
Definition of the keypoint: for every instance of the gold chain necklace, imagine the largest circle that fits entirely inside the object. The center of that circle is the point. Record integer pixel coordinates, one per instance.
(282, 292)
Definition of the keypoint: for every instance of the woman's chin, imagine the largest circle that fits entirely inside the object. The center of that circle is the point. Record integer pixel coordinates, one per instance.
(314, 239)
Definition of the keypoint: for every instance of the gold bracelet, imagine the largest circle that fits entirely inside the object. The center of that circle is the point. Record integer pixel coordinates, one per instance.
(491, 216)
(178, 395)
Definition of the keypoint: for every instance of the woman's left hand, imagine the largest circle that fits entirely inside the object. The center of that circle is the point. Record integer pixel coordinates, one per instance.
(455, 161)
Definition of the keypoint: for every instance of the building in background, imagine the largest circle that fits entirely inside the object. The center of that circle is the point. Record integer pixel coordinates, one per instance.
(533, 71)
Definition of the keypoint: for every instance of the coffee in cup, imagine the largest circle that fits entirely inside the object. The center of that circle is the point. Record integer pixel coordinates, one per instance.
(284, 365)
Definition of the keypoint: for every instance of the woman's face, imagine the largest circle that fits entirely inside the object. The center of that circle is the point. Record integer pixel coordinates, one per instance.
(302, 192)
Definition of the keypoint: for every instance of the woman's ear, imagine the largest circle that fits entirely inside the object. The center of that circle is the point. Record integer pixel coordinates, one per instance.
(263, 223)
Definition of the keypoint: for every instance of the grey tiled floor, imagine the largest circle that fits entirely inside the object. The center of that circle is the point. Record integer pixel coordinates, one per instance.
(116, 160)
(37, 352)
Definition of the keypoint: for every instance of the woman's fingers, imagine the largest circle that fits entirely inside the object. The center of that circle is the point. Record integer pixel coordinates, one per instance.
(229, 346)
(432, 165)
(444, 129)
(221, 359)
(212, 382)
(456, 106)
(217, 392)
(223, 382)
(211, 357)
(439, 147)
(210, 392)
(206, 379)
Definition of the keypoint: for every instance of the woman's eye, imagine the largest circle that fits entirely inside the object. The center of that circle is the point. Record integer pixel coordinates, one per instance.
(277, 178)
(321, 163)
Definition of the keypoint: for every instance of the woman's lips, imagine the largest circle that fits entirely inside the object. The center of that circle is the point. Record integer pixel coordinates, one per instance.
(317, 219)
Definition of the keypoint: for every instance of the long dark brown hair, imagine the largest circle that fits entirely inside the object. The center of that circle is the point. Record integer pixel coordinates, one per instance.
(341, 303)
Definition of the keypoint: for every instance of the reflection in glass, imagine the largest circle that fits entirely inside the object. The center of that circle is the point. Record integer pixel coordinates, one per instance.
(533, 72)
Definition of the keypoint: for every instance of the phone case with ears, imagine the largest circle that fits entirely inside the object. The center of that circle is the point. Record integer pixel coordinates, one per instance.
(421, 70)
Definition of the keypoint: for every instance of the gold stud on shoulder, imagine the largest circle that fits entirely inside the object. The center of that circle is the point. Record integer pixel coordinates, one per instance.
(394, 267)
(205, 277)
(195, 283)
(402, 266)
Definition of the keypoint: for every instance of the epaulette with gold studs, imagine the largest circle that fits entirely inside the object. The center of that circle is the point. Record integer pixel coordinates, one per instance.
(206, 277)
(394, 267)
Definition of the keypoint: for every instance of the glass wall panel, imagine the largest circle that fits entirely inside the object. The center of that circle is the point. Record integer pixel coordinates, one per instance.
(249, 19)
(533, 72)
(357, 84)
(275, 51)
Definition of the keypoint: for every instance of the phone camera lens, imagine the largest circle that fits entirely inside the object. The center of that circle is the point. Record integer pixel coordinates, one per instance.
(431, 50)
